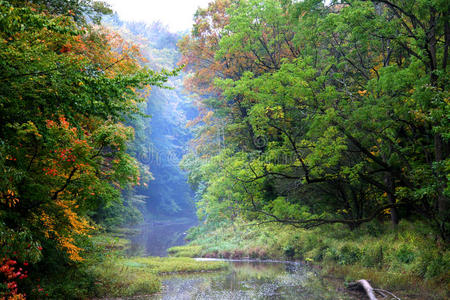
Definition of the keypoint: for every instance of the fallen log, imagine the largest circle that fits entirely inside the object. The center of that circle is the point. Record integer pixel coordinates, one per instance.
(364, 285)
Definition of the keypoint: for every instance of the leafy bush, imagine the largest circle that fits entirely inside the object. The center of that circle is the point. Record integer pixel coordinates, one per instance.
(374, 229)
(289, 251)
(331, 255)
(349, 254)
(405, 254)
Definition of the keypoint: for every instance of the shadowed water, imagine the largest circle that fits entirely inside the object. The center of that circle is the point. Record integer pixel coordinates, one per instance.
(251, 280)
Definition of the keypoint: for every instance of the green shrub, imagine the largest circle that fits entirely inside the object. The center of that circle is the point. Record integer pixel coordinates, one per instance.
(349, 254)
(331, 254)
(405, 254)
(320, 253)
(374, 229)
(289, 251)
(311, 242)
(433, 263)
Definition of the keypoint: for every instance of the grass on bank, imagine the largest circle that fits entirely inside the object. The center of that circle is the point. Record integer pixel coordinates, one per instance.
(124, 277)
(185, 251)
(116, 275)
(408, 259)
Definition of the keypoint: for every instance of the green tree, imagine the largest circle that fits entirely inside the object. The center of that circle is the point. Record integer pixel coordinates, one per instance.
(65, 93)
(349, 99)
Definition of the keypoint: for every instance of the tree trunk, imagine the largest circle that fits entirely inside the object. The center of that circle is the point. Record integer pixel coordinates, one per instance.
(395, 218)
(439, 152)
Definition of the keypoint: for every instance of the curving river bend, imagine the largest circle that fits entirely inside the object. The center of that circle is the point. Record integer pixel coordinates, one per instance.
(244, 279)
(251, 280)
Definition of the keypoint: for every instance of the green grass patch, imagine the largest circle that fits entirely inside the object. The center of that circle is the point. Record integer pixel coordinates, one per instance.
(125, 277)
(115, 275)
(115, 279)
(107, 242)
(406, 258)
(165, 265)
(185, 251)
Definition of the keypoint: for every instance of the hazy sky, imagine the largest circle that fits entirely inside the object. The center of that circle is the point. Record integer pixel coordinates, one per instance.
(177, 14)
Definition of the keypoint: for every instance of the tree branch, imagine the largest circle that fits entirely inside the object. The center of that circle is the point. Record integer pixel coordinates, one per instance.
(55, 195)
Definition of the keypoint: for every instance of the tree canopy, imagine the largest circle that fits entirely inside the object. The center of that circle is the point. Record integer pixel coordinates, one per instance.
(67, 89)
(316, 112)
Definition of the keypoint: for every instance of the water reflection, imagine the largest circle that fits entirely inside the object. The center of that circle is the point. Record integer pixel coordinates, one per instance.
(251, 280)
(243, 279)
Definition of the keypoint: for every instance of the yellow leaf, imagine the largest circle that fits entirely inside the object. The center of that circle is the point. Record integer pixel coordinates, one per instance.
(362, 93)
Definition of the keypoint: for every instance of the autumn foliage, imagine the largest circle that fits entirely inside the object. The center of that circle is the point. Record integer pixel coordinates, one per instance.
(317, 112)
(67, 89)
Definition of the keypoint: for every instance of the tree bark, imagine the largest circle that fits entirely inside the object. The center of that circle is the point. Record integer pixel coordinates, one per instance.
(439, 156)
(391, 197)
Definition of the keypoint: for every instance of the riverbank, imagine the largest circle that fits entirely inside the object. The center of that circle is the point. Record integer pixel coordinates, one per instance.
(252, 279)
(406, 260)
(120, 276)
(126, 277)
(107, 272)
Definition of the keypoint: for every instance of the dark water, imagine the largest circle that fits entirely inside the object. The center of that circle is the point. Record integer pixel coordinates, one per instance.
(154, 238)
(251, 280)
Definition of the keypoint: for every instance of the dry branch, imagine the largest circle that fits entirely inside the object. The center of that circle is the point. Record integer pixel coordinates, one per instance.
(364, 285)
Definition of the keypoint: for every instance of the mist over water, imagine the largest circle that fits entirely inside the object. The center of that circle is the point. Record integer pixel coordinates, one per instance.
(169, 200)
(170, 207)
(154, 238)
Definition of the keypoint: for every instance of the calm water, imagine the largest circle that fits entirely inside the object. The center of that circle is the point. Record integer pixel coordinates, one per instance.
(251, 280)
(153, 239)
(242, 280)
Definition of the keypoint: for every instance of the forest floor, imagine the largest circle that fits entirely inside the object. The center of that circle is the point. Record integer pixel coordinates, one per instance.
(408, 260)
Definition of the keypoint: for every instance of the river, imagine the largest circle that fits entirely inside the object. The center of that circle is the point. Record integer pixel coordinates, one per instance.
(251, 280)
(154, 238)
(244, 279)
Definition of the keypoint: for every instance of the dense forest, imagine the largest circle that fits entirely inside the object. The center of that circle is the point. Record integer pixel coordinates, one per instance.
(310, 130)
(74, 117)
(326, 114)
(330, 118)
